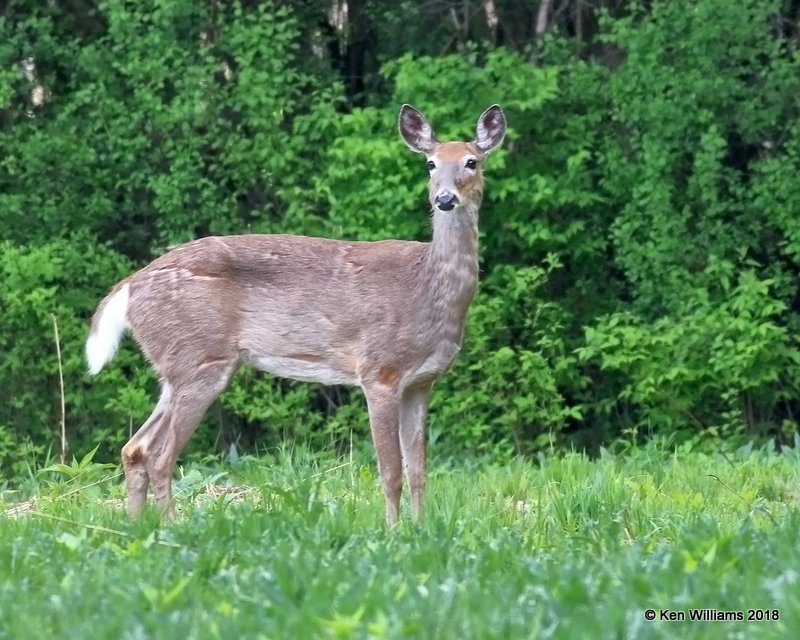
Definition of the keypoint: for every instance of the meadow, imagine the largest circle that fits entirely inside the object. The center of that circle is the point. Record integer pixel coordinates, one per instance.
(293, 545)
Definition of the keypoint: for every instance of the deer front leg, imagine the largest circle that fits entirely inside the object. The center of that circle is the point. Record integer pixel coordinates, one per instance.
(413, 412)
(383, 408)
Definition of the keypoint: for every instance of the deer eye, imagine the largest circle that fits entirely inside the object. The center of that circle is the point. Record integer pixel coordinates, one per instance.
(431, 165)
(472, 163)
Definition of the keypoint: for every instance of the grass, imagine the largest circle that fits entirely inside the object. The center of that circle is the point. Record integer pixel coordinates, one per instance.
(294, 546)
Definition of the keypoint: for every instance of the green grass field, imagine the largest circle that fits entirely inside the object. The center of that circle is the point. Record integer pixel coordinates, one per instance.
(294, 546)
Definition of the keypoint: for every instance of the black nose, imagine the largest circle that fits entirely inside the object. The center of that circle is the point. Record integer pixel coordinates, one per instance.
(446, 200)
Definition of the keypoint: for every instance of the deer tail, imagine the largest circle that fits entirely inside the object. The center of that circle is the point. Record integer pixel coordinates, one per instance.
(109, 322)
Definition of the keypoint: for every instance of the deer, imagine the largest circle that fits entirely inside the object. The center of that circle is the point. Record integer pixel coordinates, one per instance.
(388, 316)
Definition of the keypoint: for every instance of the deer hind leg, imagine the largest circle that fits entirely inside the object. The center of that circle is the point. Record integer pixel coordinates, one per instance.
(188, 401)
(383, 408)
(192, 398)
(413, 412)
(136, 478)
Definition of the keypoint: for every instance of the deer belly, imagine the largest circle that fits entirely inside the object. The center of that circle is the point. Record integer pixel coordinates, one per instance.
(305, 367)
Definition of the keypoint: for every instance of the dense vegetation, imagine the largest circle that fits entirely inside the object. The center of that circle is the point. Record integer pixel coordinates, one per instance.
(293, 546)
(640, 236)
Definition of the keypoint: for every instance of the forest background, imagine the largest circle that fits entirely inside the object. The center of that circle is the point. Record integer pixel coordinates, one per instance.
(640, 237)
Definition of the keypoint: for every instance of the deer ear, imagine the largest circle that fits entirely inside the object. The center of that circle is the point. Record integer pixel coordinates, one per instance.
(415, 130)
(490, 130)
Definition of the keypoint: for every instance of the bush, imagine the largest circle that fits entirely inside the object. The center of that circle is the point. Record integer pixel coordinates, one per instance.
(639, 236)
(44, 286)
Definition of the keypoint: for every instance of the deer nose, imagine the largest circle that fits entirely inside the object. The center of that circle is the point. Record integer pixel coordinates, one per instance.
(446, 200)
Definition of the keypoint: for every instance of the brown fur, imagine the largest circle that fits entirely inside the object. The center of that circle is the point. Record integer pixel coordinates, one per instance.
(387, 316)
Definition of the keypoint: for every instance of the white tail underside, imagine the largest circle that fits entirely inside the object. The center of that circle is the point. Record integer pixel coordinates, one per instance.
(104, 338)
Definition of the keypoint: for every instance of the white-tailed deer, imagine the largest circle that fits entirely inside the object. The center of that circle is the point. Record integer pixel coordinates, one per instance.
(387, 316)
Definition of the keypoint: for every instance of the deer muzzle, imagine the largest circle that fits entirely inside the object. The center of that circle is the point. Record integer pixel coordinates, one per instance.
(446, 200)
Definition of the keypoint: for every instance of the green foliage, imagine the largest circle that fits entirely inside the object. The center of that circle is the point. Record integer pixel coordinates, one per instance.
(56, 282)
(639, 236)
(515, 365)
(710, 365)
(294, 546)
(694, 120)
(84, 477)
(174, 121)
(698, 133)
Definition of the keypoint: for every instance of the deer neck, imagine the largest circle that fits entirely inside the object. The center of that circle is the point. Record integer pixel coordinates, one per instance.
(452, 263)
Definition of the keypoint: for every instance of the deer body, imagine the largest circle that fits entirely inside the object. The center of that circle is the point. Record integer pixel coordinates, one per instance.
(387, 316)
